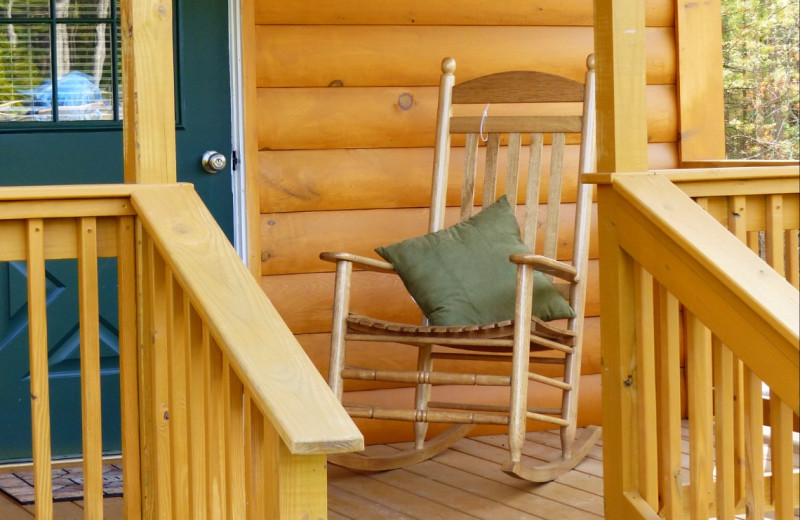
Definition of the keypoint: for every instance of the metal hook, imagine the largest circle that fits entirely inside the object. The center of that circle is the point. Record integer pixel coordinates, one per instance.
(483, 118)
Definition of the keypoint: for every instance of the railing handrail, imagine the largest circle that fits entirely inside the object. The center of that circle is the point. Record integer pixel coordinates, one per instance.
(748, 304)
(280, 378)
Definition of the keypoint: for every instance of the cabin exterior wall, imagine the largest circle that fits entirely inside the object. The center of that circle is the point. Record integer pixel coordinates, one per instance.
(344, 101)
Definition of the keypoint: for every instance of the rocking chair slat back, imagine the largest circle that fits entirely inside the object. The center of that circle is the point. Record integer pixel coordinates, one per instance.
(528, 131)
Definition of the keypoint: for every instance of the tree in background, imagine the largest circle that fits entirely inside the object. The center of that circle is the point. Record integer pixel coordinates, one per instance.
(761, 66)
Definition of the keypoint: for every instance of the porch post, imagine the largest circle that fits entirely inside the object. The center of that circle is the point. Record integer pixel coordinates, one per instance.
(621, 147)
(148, 91)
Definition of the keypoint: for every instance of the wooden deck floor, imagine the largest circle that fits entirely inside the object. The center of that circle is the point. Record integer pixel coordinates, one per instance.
(465, 482)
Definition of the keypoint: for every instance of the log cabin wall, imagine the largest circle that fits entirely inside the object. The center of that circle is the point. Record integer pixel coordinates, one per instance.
(346, 101)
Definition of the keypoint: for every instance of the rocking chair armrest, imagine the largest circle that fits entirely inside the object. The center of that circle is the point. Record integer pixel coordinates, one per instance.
(369, 264)
(547, 265)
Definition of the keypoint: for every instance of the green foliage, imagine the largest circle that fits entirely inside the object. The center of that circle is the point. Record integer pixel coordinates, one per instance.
(761, 65)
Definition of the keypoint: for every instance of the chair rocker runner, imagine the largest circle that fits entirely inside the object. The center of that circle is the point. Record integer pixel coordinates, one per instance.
(518, 339)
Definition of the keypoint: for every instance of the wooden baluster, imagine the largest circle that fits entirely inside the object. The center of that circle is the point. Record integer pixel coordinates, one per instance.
(161, 384)
(724, 429)
(775, 233)
(215, 431)
(234, 435)
(297, 483)
(793, 257)
(177, 340)
(255, 463)
(700, 415)
(40, 387)
(737, 224)
(669, 397)
(754, 445)
(128, 367)
(780, 418)
(196, 415)
(646, 378)
(92, 433)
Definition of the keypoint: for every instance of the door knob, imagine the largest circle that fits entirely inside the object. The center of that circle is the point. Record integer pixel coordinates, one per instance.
(213, 161)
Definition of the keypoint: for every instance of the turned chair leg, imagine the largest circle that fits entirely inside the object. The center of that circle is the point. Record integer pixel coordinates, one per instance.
(422, 395)
(518, 411)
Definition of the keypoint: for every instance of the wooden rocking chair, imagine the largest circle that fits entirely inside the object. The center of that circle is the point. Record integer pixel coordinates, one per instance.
(519, 337)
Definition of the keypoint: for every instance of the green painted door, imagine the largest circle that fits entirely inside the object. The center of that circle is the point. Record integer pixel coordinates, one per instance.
(78, 140)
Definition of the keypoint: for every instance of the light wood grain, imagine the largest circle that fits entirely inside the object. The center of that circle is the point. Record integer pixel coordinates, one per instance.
(440, 12)
(311, 180)
(355, 56)
(59, 239)
(128, 367)
(724, 429)
(216, 476)
(39, 382)
(370, 117)
(291, 241)
(669, 402)
(233, 393)
(242, 320)
(250, 153)
(699, 379)
(176, 316)
(91, 425)
(197, 413)
(698, 29)
(773, 322)
(148, 91)
(647, 395)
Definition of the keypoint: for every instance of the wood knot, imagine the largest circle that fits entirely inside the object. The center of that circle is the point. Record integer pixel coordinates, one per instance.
(405, 101)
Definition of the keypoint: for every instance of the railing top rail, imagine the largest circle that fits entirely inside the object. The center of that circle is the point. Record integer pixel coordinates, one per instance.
(735, 172)
(73, 191)
(735, 293)
(281, 379)
(271, 364)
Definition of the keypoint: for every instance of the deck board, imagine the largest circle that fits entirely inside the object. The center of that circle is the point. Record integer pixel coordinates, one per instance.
(464, 482)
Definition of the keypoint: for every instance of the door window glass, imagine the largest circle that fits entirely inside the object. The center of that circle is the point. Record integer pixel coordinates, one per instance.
(63, 50)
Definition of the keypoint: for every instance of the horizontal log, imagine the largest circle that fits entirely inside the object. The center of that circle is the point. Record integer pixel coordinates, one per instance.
(318, 180)
(442, 12)
(393, 356)
(305, 301)
(372, 56)
(390, 117)
(292, 242)
(539, 395)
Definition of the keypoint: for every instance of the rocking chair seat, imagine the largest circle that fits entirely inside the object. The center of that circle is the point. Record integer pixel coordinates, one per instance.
(543, 334)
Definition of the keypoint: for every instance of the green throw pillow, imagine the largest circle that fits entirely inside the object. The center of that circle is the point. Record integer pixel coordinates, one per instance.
(461, 275)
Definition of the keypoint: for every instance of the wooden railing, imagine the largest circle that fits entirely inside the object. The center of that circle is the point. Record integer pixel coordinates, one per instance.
(693, 323)
(223, 415)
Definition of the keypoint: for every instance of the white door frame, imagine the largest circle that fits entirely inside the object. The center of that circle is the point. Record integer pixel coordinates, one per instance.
(238, 164)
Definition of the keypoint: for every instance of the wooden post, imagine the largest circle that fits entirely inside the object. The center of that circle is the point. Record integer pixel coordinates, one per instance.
(297, 483)
(620, 64)
(621, 147)
(698, 26)
(148, 91)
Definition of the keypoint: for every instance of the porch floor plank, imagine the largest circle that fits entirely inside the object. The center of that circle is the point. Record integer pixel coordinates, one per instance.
(464, 482)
